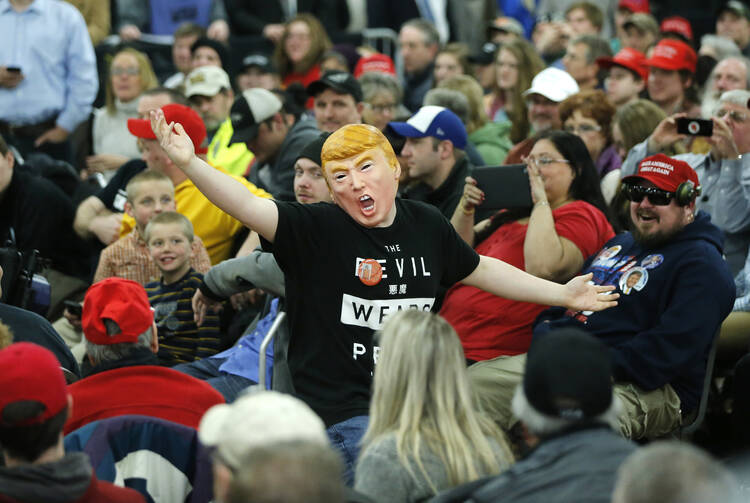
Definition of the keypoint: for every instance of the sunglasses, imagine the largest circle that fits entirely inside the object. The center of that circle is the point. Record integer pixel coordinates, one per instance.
(658, 197)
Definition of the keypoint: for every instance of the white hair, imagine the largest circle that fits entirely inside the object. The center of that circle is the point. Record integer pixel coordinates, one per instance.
(542, 424)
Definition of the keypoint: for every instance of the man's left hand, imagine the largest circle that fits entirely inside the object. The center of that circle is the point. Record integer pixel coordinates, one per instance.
(585, 296)
(722, 139)
(55, 135)
(218, 30)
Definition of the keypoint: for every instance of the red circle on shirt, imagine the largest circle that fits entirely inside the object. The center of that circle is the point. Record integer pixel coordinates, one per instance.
(370, 272)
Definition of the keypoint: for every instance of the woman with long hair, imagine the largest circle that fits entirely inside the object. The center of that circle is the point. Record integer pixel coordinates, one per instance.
(567, 223)
(130, 74)
(516, 64)
(424, 434)
(298, 53)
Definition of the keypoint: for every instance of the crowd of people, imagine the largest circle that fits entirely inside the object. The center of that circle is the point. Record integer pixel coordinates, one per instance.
(436, 336)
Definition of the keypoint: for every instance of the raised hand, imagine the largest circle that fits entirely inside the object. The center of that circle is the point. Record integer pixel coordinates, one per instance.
(584, 296)
(472, 197)
(173, 139)
(536, 183)
(665, 133)
(722, 140)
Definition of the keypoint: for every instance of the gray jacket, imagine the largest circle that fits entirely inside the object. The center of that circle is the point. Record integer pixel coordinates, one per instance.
(725, 196)
(577, 465)
(258, 269)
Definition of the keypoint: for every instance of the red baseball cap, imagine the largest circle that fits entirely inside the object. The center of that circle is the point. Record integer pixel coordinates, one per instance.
(634, 5)
(678, 25)
(31, 373)
(375, 63)
(628, 58)
(671, 54)
(176, 113)
(667, 173)
(121, 300)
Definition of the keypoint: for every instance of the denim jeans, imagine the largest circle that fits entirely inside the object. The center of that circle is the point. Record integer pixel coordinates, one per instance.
(207, 369)
(346, 437)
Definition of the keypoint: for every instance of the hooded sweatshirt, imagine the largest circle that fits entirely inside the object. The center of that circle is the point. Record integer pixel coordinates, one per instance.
(672, 300)
(493, 142)
(70, 479)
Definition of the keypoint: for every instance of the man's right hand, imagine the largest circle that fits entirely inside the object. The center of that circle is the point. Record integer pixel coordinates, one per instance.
(173, 139)
(130, 32)
(665, 134)
(9, 80)
(107, 228)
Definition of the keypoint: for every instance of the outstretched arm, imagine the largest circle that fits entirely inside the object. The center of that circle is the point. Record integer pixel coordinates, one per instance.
(260, 215)
(504, 280)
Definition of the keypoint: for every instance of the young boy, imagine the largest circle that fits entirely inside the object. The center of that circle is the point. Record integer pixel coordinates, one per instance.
(169, 236)
(149, 193)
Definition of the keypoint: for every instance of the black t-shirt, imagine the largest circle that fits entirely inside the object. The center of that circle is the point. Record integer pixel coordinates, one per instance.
(332, 314)
(113, 195)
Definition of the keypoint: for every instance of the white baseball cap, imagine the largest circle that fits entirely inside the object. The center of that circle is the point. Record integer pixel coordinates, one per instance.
(258, 419)
(554, 84)
(206, 81)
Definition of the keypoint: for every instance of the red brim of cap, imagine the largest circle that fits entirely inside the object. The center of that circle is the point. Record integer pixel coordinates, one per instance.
(668, 64)
(141, 128)
(608, 63)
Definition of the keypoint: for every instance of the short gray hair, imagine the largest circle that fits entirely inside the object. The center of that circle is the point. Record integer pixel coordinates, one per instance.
(455, 101)
(100, 353)
(736, 97)
(374, 83)
(596, 47)
(431, 35)
(722, 46)
(673, 472)
(541, 424)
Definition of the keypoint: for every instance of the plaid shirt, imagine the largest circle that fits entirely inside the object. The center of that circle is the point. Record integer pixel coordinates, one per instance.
(128, 258)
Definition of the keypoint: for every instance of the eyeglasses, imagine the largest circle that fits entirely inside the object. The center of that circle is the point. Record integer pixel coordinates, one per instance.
(543, 161)
(132, 71)
(387, 107)
(733, 115)
(636, 193)
(582, 129)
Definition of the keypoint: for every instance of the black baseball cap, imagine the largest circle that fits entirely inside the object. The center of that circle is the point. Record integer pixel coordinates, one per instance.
(486, 54)
(251, 108)
(341, 82)
(260, 61)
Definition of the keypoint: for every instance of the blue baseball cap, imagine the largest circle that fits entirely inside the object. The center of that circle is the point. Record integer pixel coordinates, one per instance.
(438, 122)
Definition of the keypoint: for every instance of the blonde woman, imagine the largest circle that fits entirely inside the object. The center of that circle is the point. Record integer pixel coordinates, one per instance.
(130, 74)
(424, 434)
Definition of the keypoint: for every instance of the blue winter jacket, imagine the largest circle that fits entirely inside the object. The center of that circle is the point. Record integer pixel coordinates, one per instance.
(673, 299)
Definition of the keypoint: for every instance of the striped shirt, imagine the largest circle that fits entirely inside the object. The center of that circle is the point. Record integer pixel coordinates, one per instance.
(180, 340)
(128, 258)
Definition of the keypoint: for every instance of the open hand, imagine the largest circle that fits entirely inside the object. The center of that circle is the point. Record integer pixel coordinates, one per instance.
(585, 296)
(173, 139)
(536, 182)
(201, 305)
